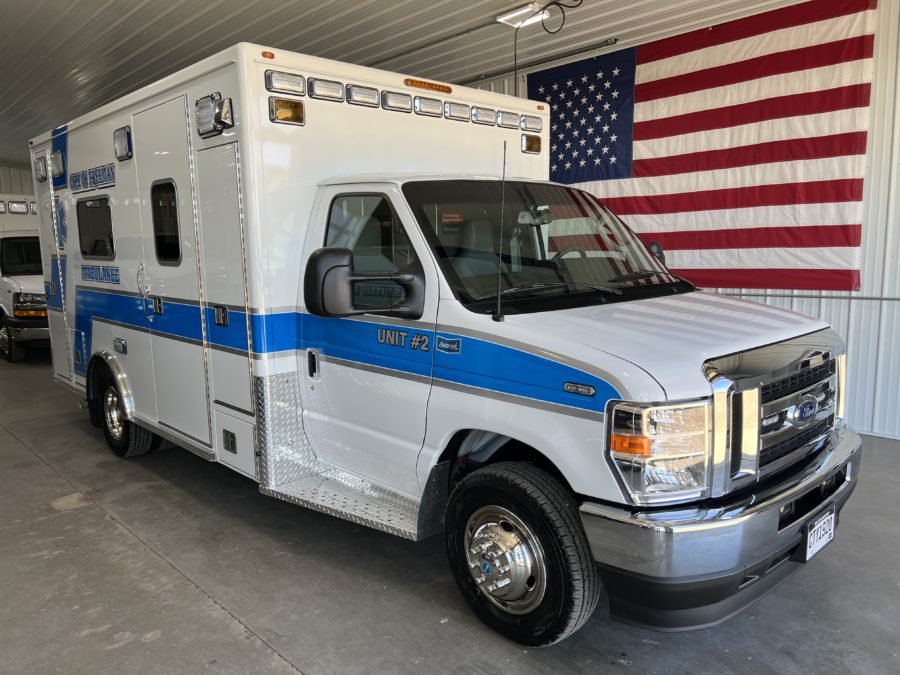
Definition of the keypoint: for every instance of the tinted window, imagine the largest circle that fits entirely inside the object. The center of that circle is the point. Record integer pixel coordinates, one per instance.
(19, 256)
(164, 204)
(368, 226)
(95, 228)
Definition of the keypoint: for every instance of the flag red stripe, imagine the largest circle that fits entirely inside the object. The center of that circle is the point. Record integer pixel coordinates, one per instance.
(816, 147)
(828, 100)
(810, 192)
(790, 61)
(787, 17)
(809, 236)
(795, 279)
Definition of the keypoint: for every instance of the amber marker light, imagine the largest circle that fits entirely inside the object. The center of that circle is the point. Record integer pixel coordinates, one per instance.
(286, 111)
(430, 86)
(268, 55)
(638, 446)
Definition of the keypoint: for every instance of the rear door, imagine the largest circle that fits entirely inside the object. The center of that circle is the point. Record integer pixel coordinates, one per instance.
(169, 278)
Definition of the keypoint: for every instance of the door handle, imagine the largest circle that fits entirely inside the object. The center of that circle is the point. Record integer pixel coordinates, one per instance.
(144, 290)
(312, 362)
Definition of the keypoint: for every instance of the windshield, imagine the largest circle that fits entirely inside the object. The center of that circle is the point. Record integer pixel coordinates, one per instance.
(20, 256)
(560, 246)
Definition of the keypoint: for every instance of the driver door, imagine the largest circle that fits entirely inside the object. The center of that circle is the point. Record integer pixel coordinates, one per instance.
(367, 378)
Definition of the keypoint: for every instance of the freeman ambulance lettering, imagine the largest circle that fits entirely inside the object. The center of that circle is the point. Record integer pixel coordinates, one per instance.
(98, 176)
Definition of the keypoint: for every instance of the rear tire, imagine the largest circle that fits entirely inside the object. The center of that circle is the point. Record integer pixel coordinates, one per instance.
(514, 524)
(125, 438)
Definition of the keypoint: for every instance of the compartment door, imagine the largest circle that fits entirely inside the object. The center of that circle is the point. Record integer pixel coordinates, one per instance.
(224, 277)
(170, 278)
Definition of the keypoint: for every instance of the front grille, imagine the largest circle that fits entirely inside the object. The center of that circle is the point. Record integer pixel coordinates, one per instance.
(786, 447)
(794, 383)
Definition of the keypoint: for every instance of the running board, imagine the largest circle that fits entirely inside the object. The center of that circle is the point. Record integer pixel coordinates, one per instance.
(339, 493)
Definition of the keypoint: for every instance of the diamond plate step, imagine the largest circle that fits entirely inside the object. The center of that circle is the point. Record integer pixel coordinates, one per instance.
(352, 498)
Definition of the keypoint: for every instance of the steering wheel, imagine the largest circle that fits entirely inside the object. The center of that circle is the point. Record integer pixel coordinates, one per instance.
(571, 249)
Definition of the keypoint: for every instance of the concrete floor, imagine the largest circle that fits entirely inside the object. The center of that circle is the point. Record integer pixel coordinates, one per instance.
(169, 564)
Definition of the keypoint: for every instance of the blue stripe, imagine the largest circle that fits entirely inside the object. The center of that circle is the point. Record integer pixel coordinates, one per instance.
(479, 363)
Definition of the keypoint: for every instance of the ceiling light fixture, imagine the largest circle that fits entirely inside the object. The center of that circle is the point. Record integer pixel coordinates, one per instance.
(524, 16)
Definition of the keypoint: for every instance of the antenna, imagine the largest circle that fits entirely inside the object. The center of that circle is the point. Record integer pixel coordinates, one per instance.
(498, 314)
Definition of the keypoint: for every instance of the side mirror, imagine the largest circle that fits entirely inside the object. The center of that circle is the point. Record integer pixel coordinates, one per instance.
(329, 281)
(657, 252)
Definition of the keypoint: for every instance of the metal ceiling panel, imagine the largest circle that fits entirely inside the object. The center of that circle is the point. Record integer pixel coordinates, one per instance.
(62, 59)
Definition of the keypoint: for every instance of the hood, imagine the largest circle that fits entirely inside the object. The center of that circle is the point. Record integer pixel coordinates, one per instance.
(668, 337)
(29, 283)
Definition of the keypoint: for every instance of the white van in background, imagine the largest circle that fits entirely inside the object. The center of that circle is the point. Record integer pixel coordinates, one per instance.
(23, 304)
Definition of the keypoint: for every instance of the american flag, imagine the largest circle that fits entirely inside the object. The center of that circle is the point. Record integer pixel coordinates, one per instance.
(740, 148)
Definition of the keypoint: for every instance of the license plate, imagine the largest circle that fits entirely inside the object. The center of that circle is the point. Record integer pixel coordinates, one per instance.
(819, 532)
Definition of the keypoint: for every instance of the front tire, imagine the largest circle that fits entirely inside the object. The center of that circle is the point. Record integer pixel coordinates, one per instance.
(519, 554)
(125, 438)
(13, 350)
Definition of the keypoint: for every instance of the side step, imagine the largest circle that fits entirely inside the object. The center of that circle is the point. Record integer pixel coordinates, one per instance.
(339, 493)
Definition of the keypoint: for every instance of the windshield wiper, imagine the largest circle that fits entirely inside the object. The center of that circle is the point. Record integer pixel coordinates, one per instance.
(540, 285)
(634, 276)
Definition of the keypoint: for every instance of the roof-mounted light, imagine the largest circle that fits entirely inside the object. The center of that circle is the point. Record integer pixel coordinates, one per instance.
(325, 89)
(286, 111)
(483, 115)
(285, 83)
(456, 111)
(57, 165)
(359, 95)
(430, 107)
(393, 100)
(430, 86)
(531, 123)
(19, 207)
(507, 120)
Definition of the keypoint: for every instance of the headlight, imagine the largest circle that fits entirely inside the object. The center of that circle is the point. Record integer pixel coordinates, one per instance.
(662, 452)
(29, 305)
(31, 299)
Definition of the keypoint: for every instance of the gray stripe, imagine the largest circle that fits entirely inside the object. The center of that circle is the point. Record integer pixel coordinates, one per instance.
(543, 353)
(168, 336)
(228, 350)
(376, 369)
(232, 407)
(112, 322)
(188, 436)
(521, 400)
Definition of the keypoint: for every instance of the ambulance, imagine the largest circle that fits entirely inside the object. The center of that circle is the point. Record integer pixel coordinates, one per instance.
(359, 290)
(23, 311)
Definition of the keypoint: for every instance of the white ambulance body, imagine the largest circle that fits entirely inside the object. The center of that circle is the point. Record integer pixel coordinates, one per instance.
(291, 266)
(23, 312)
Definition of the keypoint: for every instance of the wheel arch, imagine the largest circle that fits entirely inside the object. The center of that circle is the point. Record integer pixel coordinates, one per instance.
(105, 362)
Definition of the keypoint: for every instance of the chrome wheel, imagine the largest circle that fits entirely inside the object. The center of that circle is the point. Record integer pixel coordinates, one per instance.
(505, 559)
(113, 414)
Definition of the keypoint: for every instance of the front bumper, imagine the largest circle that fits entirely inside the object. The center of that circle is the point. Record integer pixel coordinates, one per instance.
(28, 329)
(693, 567)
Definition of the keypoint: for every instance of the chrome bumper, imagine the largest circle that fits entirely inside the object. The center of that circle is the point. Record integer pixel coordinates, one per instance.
(733, 545)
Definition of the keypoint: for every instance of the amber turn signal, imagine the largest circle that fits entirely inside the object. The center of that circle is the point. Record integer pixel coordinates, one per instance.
(640, 446)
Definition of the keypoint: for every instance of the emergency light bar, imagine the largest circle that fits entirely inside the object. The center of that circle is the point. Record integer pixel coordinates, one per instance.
(392, 100)
(483, 115)
(325, 89)
(359, 95)
(430, 107)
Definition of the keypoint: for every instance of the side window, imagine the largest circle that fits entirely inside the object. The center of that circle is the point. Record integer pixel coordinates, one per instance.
(95, 228)
(368, 226)
(164, 206)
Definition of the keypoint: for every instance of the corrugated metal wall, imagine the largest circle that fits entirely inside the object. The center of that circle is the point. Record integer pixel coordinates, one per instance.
(869, 320)
(15, 181)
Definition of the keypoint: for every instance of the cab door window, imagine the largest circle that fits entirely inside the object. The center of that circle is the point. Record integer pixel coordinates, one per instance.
(369, 227)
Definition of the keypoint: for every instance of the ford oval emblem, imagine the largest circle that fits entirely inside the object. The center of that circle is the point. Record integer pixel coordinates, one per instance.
(805, 410)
